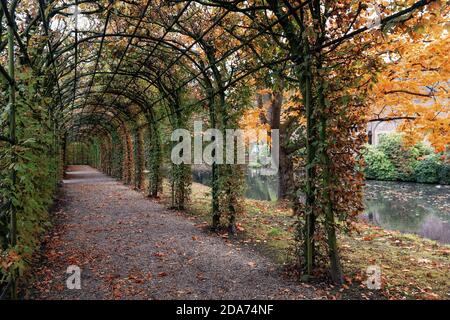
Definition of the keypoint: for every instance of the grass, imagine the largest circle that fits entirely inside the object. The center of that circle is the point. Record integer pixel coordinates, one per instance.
(411, 267)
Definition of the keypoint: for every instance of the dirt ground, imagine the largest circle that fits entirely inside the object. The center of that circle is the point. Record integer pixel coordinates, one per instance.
(130, 247)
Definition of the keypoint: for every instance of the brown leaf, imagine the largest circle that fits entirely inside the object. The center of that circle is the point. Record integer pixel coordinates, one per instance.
(159, 254)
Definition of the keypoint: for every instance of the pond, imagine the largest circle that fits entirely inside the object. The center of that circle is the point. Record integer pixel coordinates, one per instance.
(422, 209)
(259, 187)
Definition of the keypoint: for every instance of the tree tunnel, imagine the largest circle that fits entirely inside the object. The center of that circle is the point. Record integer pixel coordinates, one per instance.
(105, 83)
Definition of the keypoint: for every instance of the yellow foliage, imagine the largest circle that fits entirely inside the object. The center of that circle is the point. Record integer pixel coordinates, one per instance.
(415, 83)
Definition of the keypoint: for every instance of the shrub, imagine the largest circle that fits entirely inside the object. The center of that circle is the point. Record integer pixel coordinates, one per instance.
(402, 157)
(421, 149)
(391, 144)
(392, 159)
(444, 173)
(426, 170)
(378, 166)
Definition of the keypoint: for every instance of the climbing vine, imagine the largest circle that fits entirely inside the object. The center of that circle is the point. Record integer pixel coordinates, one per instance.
(104, 83)
(35, 162)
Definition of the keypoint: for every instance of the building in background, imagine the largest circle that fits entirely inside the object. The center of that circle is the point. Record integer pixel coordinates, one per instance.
(375, 129)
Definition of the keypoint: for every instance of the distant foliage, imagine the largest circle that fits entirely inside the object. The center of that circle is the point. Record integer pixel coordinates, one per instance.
(444, 173)
(427, 169)
(35, 162)
(378, 166)
(394, 160)
(414, 82)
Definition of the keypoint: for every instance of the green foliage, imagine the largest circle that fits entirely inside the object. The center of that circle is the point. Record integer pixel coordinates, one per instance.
(444, 173)
(392, 159)
(117, 157)
(78, 153)
(378, 166)
(426, 170)
(420, 150)
(35, 162)
(154, 159)
(400, 156)
(181, 180)
(391, 144)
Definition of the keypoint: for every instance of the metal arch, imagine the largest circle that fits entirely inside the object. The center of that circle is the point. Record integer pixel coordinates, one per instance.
(126, 94)
(93, 121)
(136, 28)
(117, 109)
(160, 43)
(101, 128)
(228, 54)
(108, 15)
(91, 125)
(124, 53)
(100, 119)
(141, 76)
(118, 112)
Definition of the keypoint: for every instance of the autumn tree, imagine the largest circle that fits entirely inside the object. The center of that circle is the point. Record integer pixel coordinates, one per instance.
(328, 45)
(412, 86)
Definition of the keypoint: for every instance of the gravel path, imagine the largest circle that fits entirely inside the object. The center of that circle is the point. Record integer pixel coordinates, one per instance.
(129, 247)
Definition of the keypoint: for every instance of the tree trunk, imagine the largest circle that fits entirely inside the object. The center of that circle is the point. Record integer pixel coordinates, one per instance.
(335, 267)
(154, 162)
(285, 172)
(309, 230)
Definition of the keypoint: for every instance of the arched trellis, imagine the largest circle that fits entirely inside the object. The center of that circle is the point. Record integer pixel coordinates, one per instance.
(105, 138)
(140, 83)
(124, 120)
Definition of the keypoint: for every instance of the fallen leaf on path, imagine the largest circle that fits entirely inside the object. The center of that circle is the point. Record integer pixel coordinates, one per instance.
(159, 254)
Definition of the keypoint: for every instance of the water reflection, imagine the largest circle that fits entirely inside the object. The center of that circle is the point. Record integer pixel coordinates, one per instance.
(261, 187)
(258, 187)
(410, 208)
(407, 207)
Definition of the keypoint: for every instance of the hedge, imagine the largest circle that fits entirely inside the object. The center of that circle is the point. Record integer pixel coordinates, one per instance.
(393, 160)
